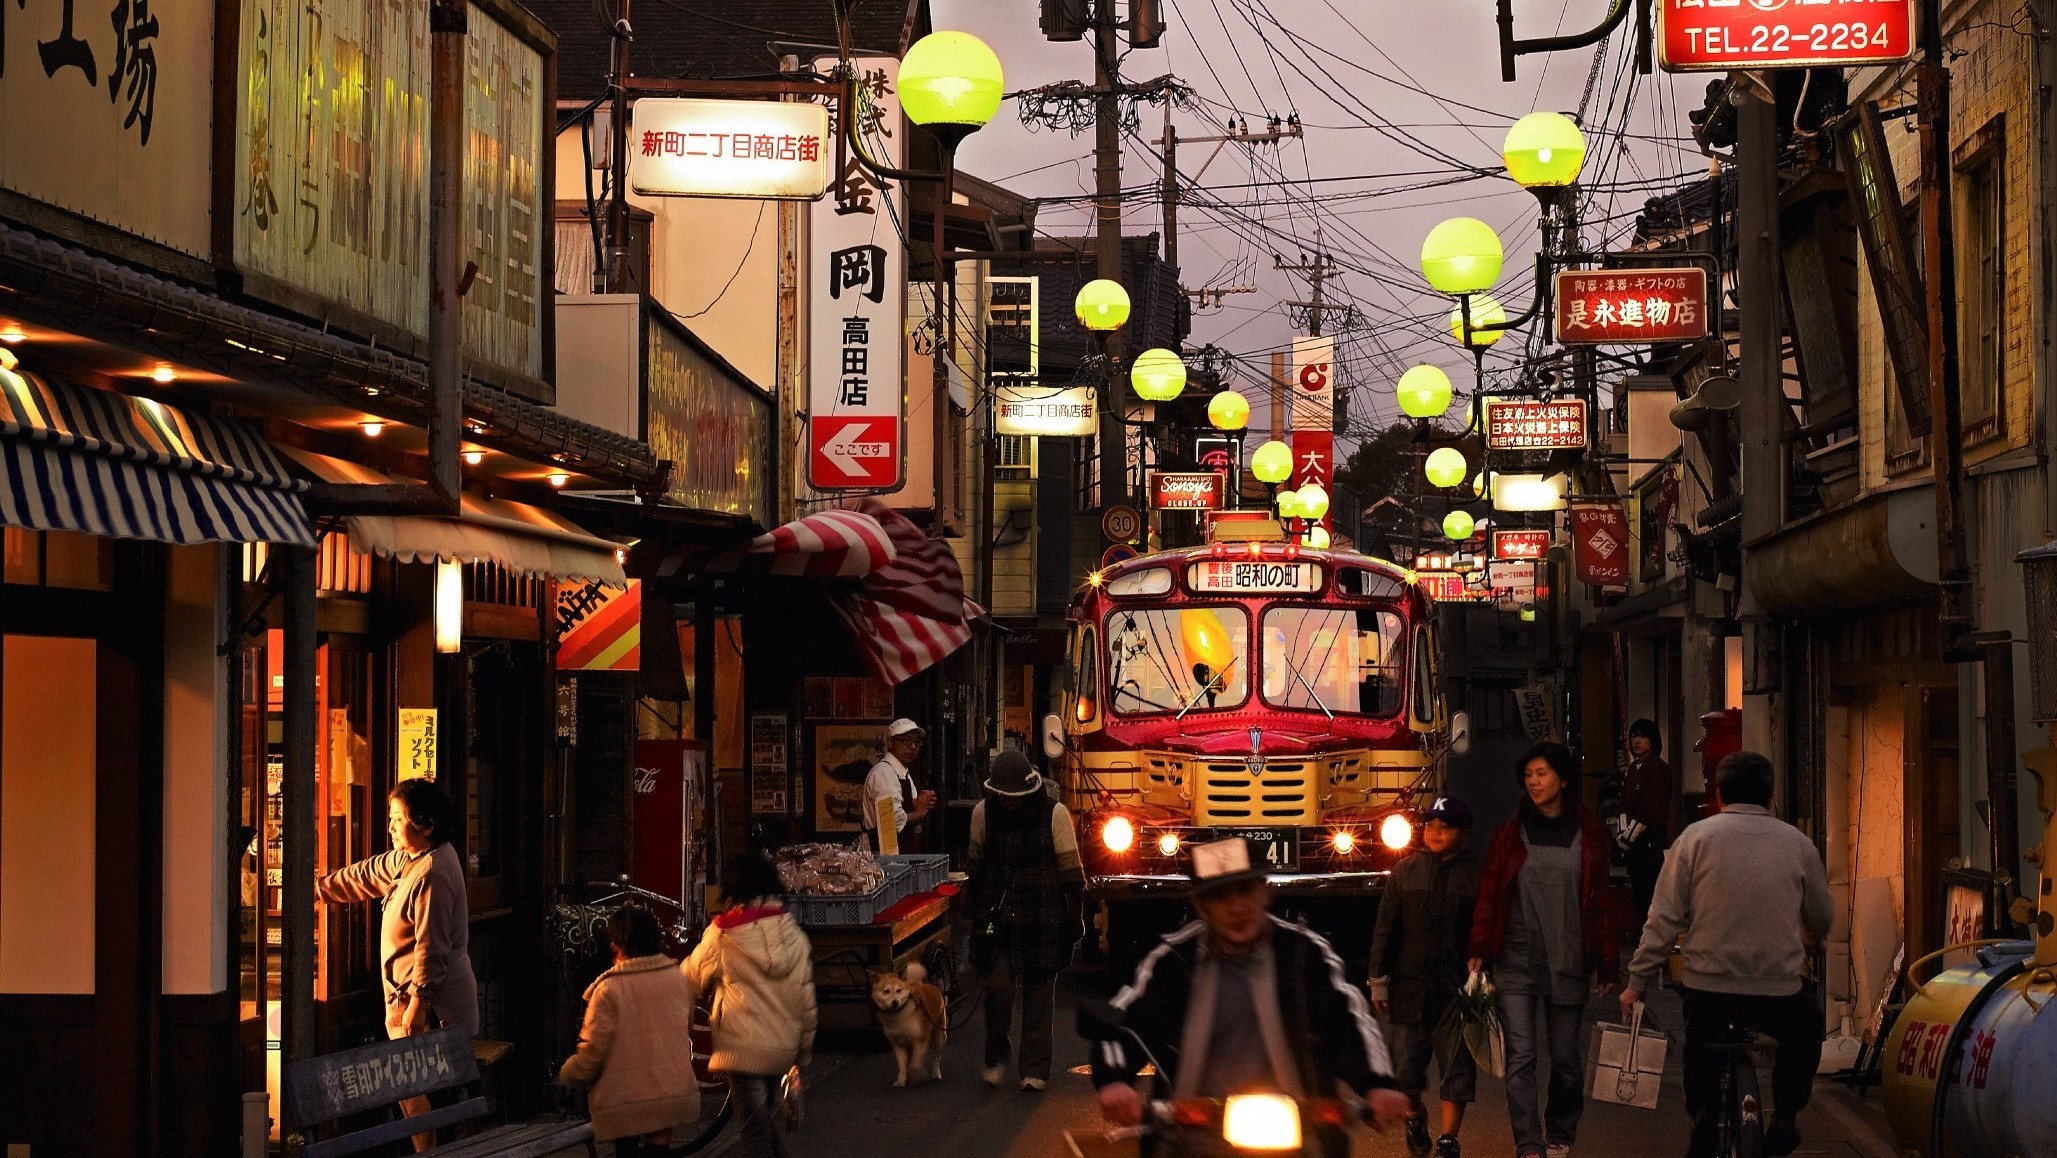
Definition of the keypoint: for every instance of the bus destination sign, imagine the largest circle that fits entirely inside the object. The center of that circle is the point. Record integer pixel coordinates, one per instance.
(1240, 576)
(1725, 35)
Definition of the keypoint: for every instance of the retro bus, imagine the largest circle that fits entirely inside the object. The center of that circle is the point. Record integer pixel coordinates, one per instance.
(1260, 688)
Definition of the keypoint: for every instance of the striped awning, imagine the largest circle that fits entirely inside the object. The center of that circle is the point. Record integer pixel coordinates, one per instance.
(907, 611)
(74, 458)
(525, 539)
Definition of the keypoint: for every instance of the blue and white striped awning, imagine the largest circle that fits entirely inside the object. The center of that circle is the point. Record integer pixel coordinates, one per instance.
(78, 459)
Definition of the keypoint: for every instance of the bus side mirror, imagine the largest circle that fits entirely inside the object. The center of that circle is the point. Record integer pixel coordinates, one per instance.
(1460, 733)
(1053, 737)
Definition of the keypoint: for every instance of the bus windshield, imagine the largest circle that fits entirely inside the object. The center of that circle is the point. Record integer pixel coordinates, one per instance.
(1174, 660)
(1333, 659)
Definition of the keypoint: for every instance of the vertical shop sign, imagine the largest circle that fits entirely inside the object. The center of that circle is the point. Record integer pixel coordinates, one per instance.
(769, 741)
(600, 628)
(418, 743)
(1599, 535)
(1314, 454)
(1538, 719)
(857, 302)
(1314, 384)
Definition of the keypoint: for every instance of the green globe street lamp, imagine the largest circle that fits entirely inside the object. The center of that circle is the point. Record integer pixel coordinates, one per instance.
(1291, 505)
(1102, 306)
(1273, 463)
(1423, 392)
(1319, 539)
(1314, 500)
(1158, 375)
(1486, 323)
(1457, 526)
(951, 84)
(1229, 412)
(1544, 153)
(1445, 466)
(1461, 256)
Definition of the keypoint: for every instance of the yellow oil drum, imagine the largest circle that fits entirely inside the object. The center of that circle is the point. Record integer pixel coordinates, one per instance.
(1926, 1079)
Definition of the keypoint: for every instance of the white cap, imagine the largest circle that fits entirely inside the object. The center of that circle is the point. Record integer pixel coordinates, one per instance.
(902, 727)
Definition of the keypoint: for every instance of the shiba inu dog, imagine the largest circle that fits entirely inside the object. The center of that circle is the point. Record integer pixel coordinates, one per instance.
(915, 1019)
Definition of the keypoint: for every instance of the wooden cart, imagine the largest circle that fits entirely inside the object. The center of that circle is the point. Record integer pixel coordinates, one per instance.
(845, 956)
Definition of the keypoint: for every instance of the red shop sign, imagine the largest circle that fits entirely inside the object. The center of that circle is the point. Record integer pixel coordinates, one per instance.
(1520, 544)
(1520, 424)
(1314, 462)
(1186, 490)
(1623, 307)
(1724, 35)
(1599, 534)
(1443, 586)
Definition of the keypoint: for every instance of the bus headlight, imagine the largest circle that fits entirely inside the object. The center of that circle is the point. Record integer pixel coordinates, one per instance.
(1167, 844)
(1396, 832)
(1345, 842)
(1118, 834)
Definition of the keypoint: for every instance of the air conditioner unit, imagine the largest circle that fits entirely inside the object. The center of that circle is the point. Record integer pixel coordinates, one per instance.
(1016, 458)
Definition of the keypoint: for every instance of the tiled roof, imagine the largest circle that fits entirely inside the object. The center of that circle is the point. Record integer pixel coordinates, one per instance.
(711, 39)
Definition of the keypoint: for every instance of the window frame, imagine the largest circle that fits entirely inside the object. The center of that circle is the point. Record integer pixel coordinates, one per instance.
(1980, 160)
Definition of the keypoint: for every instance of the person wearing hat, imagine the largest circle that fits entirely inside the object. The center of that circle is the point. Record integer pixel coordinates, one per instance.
(1240, 1001)
(1641, 820)
(890, 780)
(1418, 951)
(1023, 896)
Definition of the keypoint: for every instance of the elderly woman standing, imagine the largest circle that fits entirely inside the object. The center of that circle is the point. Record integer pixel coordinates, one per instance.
(425, 930)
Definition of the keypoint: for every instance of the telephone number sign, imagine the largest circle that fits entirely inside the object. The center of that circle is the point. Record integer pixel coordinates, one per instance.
(1696, 35)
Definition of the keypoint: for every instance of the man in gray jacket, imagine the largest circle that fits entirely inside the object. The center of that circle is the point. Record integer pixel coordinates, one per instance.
(1749, 892)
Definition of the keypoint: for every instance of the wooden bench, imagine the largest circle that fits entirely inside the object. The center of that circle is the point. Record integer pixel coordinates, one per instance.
(323, 1090)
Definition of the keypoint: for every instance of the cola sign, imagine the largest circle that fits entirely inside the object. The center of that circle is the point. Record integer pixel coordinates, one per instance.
(1727, 35)
(1186, 490)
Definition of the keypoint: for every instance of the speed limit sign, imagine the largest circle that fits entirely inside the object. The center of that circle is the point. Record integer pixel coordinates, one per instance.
(1121, 523)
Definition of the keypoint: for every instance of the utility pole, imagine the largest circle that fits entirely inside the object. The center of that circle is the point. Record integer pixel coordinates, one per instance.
(1216, 293)
(1763, 473)
(619, 280)
(1317, 271)
(1273, 133)
(1939, 280)
(1107, 206)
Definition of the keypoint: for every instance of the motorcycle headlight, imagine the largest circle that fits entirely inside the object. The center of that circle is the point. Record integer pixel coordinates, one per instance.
(1396, 832)
(1262, 1122)
(1118, 834)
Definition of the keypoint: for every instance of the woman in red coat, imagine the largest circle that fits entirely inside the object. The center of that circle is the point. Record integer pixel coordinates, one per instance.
(1541, 923)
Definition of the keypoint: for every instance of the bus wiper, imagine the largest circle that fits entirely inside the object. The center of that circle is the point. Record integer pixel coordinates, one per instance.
(1310, 691)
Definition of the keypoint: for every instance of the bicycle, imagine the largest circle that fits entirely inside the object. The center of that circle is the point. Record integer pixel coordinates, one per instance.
(580, 930)
(1740, 1123)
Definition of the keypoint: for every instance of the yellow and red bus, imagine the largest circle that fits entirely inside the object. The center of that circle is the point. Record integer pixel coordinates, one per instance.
(1259, 688)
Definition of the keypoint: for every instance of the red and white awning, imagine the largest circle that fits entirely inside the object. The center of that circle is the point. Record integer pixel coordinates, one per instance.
(907, 612)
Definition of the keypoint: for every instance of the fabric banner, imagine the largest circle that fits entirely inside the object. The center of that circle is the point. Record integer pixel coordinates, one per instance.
(1599, 535)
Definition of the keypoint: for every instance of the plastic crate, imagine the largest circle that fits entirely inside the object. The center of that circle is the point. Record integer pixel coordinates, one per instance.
(847, 909)
(928, 870)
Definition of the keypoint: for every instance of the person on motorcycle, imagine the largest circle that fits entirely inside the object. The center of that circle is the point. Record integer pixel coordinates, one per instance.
(1241, 1001)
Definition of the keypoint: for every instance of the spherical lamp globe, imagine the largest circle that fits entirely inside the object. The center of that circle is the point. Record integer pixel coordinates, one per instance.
(1445, 466)
(1488, 323)
(1461, 256)
(1291, 505)
(1544, 151)
(1314, 500)
(1478, 485)
(1102, 305)
(1158, 375)
(1319, 539)
(951, 84)
(1230, 411)
(1457, 526)
(1273, 463)
(1424, 392)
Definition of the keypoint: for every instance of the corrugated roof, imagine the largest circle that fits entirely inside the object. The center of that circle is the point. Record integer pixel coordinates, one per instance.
(711, 39)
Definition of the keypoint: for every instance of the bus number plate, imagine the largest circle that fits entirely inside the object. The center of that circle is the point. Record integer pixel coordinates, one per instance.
(1280, 847)
(1224, 576)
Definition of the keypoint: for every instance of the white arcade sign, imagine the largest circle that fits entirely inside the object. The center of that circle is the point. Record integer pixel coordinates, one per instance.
(688, 147)
(1229, 576)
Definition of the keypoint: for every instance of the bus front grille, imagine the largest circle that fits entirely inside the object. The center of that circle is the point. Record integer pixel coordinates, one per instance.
(1281, 792)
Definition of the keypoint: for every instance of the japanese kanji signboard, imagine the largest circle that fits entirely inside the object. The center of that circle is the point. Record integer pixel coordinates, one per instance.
(857, 305)
(1599, 535)
(1071, 412)
(1520, 544)
(1610, 307)
(1314, 384)
(1522, 424)
(1443, 586)
(332, 171)
(1724, 35)
(109, 106)
(415, 753)
(1314, 461)
(684, 147)
(1186, 490)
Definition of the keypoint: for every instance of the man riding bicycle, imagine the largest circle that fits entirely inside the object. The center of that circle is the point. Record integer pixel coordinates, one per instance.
(1748, 891)
(1240, 1001)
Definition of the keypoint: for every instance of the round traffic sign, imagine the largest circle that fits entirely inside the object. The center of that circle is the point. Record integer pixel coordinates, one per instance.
(1119, 553)
(1121, 523)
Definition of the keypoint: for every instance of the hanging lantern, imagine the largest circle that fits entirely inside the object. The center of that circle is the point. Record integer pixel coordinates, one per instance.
(1445, 466)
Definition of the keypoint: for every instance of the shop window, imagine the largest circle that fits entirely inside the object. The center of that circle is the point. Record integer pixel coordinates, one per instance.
(56, 559)
(48, 813)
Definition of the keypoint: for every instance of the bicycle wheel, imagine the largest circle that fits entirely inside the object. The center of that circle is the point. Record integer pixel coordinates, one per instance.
(1743, 1110)
(712, 1129)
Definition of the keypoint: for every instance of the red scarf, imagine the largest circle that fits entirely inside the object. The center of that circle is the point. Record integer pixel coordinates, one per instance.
(737, 918)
